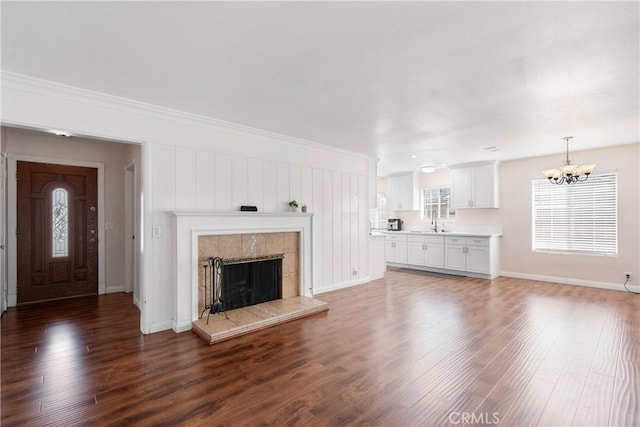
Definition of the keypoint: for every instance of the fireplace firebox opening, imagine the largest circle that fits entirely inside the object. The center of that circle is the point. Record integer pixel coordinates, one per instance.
(241, 282)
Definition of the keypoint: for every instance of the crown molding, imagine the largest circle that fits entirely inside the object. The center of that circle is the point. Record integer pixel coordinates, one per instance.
(24, 83)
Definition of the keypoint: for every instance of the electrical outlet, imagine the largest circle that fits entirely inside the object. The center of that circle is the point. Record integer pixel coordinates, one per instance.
(355, 271)
(627, 275)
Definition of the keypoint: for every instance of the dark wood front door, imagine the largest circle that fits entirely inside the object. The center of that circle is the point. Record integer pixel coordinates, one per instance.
(57, 231)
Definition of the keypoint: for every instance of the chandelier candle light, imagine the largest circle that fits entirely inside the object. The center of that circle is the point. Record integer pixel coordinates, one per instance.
(568, 172)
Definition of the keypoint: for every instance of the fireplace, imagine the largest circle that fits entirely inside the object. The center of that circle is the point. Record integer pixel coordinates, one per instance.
(200, 235)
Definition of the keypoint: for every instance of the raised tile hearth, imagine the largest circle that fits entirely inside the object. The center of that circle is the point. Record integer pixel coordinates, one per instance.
(256, 317)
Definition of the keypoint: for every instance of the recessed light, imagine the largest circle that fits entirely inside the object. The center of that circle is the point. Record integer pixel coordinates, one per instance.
(428, 168)
(413, 156)
(61, 133)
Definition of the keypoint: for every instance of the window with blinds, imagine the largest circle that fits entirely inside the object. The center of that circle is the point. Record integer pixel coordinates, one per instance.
(436, 203)
(576, 218)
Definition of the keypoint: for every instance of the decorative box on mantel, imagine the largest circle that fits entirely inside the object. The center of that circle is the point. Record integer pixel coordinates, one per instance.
(189, 226)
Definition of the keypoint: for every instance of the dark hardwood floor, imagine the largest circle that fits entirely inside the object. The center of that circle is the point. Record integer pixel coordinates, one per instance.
(412, 349)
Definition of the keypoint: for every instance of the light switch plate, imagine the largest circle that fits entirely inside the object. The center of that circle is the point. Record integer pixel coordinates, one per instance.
(108, 226)
(157, 231)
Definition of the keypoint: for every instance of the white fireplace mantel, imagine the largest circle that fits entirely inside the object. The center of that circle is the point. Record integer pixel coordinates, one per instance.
(188, 226)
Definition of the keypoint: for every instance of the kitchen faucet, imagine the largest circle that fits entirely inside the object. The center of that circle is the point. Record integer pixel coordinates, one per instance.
(434, 222)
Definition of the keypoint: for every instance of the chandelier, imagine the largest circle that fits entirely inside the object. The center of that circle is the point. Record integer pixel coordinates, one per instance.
(568, 172)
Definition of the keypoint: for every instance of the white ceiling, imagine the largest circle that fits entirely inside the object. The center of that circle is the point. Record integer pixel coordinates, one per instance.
(438, 80)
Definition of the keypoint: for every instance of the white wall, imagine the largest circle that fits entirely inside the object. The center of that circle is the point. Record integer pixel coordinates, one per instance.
(194, 163)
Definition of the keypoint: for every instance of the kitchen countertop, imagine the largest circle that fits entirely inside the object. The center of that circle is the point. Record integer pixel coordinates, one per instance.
(445, 233)
(376, 234)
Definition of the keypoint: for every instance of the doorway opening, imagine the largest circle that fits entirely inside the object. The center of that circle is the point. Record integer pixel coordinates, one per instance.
(111, 159)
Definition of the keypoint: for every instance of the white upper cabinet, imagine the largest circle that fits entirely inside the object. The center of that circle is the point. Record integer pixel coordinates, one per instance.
(403, 192)
(475, 185)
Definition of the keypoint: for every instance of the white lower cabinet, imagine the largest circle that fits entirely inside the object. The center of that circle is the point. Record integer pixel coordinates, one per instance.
(426, 251)
(478, 259)
(475, 256)
(455, 258)
(468, 254)
(415, 253)
(396, 248)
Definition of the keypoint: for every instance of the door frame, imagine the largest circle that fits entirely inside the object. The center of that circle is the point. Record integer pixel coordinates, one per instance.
(132, 215)
(12, 241)
(3, 232)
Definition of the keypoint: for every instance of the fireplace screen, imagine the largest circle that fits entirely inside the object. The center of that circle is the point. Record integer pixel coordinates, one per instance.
(240, 282)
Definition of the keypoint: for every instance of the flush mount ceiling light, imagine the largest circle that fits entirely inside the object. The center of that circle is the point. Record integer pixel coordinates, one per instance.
(568, 172)
(428, 168)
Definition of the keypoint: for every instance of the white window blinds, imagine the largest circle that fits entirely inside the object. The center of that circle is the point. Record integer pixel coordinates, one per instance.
(436, 203)
(576, 218)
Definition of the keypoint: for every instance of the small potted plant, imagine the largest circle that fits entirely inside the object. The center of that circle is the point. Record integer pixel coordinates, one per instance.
(293, 205)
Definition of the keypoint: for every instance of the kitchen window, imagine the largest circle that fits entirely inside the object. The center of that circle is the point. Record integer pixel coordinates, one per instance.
(576, 218)
(436, 203)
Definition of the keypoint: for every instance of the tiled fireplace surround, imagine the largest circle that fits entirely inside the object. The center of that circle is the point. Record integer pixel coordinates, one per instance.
(199, 235)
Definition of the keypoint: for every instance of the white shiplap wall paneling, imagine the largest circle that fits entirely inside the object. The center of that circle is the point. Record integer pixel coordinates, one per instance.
(205, 178)
(346, 230)
(318, 230)
(255, 184)
(327, 227)
(270, 185)
(337, 227)
(363, 227)
(353, 221)
(239, 182)
(295, 188)
(186, 189)
(306, 187)
(222, 182)
(282, 187)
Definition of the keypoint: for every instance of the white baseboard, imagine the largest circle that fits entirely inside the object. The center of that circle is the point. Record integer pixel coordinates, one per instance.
(181, 327)
(570, 281)
(342, 285)
(160, 326)
(136, 301)
(114, 289)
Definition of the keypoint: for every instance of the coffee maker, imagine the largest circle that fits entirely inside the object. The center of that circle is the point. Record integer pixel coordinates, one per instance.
(394, 224)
